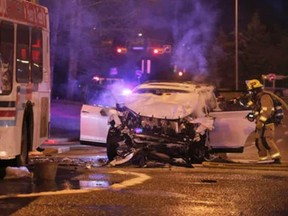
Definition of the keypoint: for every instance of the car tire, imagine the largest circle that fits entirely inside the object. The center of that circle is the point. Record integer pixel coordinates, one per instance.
(113, 137)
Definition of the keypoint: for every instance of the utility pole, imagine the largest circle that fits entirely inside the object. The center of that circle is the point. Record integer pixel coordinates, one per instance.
(236, 46)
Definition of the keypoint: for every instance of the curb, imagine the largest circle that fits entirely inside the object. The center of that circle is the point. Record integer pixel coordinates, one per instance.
(60, 141)
(59, 145)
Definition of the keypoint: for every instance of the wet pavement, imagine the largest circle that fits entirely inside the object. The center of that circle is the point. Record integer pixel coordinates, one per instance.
(81, 166)
(70, 176)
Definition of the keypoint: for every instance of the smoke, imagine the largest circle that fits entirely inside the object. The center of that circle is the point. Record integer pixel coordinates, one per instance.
(193, 33)
(85, 26)
(108, 92)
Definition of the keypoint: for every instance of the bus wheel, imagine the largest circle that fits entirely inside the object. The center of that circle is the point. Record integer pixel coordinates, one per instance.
(26, 138)
(22, 159)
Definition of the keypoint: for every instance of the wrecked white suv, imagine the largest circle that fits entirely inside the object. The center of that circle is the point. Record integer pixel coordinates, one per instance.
(166, 121)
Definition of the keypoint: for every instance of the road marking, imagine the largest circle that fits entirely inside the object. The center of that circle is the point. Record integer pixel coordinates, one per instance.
(249, 165)
(139, 179)
(131, 182)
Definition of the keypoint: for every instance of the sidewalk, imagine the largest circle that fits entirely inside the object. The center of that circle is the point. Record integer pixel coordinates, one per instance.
(70, 153)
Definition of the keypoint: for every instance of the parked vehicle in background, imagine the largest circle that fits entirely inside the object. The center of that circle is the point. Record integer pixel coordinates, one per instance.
(276, 83)
(177, 119)
(24, 78)
(232, 100)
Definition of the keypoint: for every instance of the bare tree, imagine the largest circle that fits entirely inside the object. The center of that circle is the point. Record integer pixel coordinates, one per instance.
(54, 30)
(74, 38)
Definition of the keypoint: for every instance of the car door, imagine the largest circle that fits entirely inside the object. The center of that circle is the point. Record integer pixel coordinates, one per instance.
(231, 130)
(94, 124)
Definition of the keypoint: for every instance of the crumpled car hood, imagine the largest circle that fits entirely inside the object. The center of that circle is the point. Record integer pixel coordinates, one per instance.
(170, 106)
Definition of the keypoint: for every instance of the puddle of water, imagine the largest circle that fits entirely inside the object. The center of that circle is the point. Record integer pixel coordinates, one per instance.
(93, 180)
(58, 185)
(72, 179)
(67, 178)
(86, 184)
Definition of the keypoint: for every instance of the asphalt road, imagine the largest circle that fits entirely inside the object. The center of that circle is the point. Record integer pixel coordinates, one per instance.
(152, 191)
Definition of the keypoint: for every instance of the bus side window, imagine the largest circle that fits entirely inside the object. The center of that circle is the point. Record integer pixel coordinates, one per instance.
(37, 58)
(6, 57)
(22, 54)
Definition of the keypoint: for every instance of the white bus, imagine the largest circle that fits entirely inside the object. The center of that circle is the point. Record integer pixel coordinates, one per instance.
(24, 79)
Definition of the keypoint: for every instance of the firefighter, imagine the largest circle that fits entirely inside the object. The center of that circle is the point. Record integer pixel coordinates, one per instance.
(263, 108)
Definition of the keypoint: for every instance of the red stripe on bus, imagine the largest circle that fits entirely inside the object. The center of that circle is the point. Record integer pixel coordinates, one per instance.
(7, 113)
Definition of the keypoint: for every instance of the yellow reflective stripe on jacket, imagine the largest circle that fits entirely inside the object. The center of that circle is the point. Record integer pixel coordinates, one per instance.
(276, 155)
(263, 158)
(263, 119)
(264, 109)
(267, 106)
(250, 103)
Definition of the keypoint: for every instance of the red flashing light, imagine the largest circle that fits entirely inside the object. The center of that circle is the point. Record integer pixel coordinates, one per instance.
(271, 77)
(155, 51)
(158, 51)
(121, 50)
(96, 78)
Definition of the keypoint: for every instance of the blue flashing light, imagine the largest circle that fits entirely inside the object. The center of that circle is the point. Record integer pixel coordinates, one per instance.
(138, 130)
(126, 92)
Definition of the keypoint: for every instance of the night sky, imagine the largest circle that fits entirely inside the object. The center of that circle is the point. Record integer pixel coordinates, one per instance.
(272, 12)
(195, 29)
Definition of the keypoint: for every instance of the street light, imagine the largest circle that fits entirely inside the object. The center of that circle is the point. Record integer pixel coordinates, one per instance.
(236, 45)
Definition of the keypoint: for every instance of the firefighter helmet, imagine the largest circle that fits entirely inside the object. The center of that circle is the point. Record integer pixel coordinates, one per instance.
(253, 84)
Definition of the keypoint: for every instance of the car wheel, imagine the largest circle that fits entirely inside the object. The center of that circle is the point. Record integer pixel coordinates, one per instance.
(113, 137)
